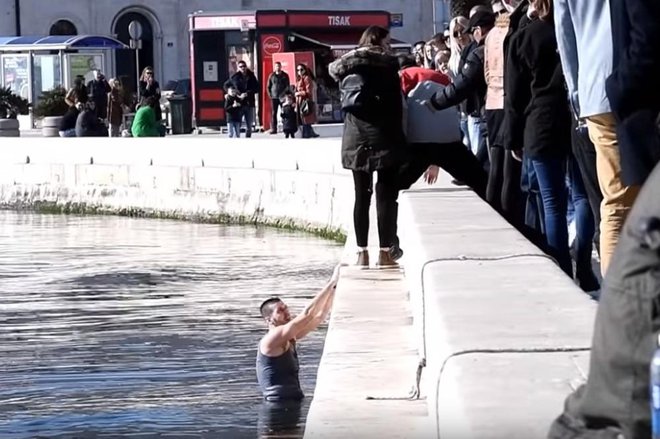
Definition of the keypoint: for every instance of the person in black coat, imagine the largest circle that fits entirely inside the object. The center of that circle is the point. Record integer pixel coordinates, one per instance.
(289, 115)
(247, 85)
(633, 88)
(98, 90)
(278, 84)
(149, 87)
(539, 120)
(373, 136)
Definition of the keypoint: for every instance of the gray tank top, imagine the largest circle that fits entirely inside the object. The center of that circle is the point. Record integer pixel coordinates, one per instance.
(278, 376)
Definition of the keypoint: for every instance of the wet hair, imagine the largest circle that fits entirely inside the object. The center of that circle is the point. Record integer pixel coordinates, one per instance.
(373, 36)
(268, 306)
(406, 61)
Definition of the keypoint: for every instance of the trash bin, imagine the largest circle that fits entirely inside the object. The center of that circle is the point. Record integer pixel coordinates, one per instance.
(181, 113)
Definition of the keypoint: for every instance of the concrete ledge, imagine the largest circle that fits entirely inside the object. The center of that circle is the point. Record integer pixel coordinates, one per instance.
(266, 181)
(484, 296)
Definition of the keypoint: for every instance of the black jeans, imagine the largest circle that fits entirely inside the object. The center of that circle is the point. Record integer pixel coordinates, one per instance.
(454, 158)
(503, 192)
(585, 156)
(275, 106)
(387, 191)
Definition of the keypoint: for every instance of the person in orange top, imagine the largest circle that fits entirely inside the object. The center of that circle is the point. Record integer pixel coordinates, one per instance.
(305, 100)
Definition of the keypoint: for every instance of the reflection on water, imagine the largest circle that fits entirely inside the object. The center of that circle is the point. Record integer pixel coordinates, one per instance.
(116, 327)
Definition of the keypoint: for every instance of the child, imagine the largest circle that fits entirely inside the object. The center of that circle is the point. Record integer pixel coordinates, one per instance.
(234, 107)
(289, 116)
(442, 62)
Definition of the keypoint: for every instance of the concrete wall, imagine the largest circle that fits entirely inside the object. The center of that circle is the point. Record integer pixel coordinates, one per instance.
(504, 333)
(297, 183)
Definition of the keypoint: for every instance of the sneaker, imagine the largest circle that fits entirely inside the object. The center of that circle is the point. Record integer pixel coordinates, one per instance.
(363, 259)
(385, 260)
(272, 132)
(458, 183)
(395, 252)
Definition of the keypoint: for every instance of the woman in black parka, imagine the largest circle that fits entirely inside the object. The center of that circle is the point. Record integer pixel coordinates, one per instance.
(373, 135)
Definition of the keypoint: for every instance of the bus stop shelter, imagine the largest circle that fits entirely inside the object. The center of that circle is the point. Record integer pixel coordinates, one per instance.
(31, 65)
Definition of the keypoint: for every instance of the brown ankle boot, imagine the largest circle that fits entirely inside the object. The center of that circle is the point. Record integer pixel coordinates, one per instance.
(363, 259)
(385, 260)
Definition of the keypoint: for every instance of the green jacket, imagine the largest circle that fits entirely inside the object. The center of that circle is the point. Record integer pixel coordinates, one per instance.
(144, 123)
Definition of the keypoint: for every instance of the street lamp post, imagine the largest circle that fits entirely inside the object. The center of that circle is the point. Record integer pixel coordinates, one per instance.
(135, 32)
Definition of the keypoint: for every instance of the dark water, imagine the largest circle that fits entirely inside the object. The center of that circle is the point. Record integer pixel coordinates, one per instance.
(115, 327)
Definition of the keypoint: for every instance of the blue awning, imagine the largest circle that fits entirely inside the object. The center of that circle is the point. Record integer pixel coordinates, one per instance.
(59, 42)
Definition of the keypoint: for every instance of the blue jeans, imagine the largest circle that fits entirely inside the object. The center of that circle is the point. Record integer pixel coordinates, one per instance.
(234, 129)
(248, 115)
(464, 131)
(529, 185)
(551, 174)
(474, 133)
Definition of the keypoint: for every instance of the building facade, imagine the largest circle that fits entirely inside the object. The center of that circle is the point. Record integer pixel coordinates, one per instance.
(166, 44)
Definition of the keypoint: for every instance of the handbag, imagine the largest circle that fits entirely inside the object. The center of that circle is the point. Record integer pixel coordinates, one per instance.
(357, 95)
(307, 107)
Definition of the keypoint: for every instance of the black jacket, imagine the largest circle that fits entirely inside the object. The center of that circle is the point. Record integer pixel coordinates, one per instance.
(539, 118)
(234, 113)
(633, 89)
(373, 139)
(517, 20)
(98, 93)
(245, 83)
(278, 84)
(469, 85)
(289, 119)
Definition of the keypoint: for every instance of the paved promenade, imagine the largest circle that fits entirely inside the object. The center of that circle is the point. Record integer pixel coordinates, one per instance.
(504, 334)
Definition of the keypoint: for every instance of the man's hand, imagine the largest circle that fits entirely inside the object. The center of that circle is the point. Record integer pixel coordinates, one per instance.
(335, 274)
(427, 103)
(431, 174)
(517, 154)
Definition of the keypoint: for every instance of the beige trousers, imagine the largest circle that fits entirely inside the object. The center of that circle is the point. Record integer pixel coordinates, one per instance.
(617, 198)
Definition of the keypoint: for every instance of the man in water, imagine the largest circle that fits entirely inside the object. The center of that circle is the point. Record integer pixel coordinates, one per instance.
(277, 359)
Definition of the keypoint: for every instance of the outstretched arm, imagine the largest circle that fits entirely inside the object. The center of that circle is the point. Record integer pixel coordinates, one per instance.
(309, 319)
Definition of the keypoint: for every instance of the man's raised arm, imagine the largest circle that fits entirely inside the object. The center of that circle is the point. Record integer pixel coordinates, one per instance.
(312, 316)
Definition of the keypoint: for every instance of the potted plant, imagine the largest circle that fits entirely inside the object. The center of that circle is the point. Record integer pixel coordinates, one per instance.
(11, 105)
(50, 109)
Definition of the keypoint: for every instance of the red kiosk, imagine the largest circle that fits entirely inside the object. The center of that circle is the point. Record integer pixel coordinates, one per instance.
(219, 41)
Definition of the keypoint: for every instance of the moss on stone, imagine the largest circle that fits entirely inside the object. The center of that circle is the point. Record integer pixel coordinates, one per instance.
(333, 234)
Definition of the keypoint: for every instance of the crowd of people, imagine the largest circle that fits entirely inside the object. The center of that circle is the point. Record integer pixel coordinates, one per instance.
(505, 89)
(97, 109)
(549, 110)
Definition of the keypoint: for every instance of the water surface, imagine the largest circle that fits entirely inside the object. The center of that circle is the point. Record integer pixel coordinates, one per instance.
(118, 327)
